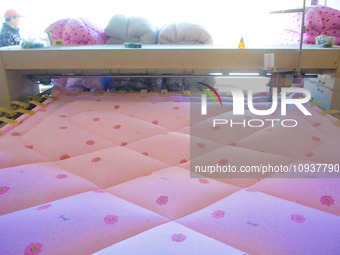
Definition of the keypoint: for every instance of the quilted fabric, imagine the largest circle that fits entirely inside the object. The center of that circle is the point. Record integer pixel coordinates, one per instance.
(318, 20)
(110, 174)
(76, 31)
(121, 29)
(184, 33)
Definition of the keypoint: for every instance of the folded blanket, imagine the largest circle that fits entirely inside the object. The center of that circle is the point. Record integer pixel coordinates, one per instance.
(76, 31)
(121, 29)
(184, 33)
(189, 34)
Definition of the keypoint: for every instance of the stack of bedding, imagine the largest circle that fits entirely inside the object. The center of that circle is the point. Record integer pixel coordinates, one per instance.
(110, 175)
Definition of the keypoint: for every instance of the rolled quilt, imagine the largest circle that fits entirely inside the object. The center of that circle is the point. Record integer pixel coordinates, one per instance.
(121, 29)
(77, 31)
(184, 33)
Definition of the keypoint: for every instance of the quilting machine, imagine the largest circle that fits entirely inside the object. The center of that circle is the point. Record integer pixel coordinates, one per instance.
(21, 69)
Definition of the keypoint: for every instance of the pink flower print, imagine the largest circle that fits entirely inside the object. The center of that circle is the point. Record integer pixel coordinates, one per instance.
(15, 134)
(96, 159)
(123, 144)
(90, 142)
(3, 190)
(43, 207)
(155, 122)
(96, 119)
(63, 127)
(162, 200)
(116, 107)
(178, 238)
(327, 200)
(65, 156)
(111, 219)
(145, 153)
(61, 176)
(311, 154)
(33, 248)
(62, 116)
(315, 139)
(218, 214)
(223, 162)
(298, 218)
(203, 181)
(29, 146)
(183, 161)
(201, 145)
(117, 127)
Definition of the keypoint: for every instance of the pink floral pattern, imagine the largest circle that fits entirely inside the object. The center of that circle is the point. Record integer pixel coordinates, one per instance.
(223, 162)
(145, 153)
(3, 190)
(201, 145)
(310, 154)
(117, 127)
(298, 218)
(63, 127)
(111, 219)
(327, 200)
(65, 156)
(61, 176)
(90, 142)
(116, 107)
(33, 248)
(96, 119)
(96, 159)
(183, 161)
(315, 139)
(218, 214)
(123, 144)
(155, 122)
(29, 146)
(162, 200)
(178, 238)
(203, 181)
(16, 134)
(43, 207)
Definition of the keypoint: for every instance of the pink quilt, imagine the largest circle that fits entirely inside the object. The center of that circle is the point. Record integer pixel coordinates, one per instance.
(110, 175)
(77, 31)
(318, 20)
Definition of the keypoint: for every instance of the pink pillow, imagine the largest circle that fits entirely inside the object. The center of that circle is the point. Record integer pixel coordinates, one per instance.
(77, 31)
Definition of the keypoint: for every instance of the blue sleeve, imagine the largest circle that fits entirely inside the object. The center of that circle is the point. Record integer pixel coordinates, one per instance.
(6, 40)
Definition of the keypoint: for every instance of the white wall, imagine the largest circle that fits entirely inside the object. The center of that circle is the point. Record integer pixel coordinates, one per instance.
(334, 4)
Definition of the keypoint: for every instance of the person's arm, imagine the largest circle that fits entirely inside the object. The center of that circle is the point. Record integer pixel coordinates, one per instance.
(6, 40)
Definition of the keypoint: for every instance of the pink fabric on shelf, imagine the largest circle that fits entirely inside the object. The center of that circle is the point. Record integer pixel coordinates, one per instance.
(77, 31)
(318, 20)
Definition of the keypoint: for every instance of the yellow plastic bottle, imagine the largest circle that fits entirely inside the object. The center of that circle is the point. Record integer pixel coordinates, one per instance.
(241, 44)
